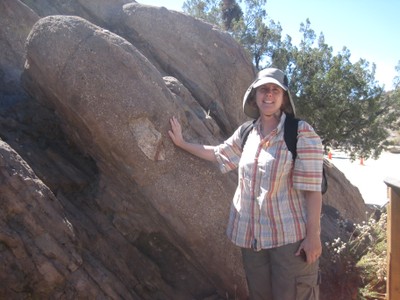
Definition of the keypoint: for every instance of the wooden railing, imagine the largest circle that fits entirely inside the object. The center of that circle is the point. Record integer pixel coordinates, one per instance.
(393, 240)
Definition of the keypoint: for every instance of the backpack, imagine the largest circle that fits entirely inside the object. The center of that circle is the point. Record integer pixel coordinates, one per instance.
(290, 137)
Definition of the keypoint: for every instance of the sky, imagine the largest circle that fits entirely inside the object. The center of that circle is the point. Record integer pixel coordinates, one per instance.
(370, 29)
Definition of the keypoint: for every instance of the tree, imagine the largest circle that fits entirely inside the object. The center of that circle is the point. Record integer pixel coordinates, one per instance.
(231, 12)
(253, 33)
(340, 99)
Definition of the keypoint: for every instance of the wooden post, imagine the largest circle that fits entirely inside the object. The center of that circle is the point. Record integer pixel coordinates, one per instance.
(393, 240)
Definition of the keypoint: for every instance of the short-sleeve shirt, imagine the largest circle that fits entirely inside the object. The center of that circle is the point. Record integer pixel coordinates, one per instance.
(269, 208)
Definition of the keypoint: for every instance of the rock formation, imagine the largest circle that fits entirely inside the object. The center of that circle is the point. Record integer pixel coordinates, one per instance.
(96, 202)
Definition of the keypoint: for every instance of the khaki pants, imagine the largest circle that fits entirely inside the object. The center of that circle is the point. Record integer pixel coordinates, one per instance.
(277, 274)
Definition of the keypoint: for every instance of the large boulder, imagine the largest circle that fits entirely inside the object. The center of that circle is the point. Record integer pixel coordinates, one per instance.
(205, 59)
(116, 107)
(194, 54)
(101, 12)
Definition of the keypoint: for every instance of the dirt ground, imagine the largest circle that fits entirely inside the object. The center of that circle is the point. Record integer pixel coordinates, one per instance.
(369, 176)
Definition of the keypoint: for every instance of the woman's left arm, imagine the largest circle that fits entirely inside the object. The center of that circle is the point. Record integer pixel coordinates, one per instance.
(312, 242)
(308, 162)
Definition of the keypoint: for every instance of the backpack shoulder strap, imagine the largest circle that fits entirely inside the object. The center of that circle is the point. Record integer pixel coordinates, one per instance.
(290, 134)
(245, 130)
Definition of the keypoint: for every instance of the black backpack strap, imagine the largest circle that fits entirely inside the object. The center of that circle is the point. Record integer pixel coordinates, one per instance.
(290, 134)
(245, 130)
(324, 183)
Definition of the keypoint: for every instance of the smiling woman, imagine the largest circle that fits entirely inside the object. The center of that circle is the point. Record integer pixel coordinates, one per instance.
(275, 213)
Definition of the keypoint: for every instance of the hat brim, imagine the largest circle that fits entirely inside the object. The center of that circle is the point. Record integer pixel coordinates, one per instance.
(266, 80)
(250, 110)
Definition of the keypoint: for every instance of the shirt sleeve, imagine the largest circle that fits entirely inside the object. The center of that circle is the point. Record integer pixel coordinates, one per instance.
(307, 173)
(228, 154)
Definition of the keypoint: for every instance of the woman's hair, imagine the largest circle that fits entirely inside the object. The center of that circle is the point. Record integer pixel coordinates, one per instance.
(252, 98)
(286, 105)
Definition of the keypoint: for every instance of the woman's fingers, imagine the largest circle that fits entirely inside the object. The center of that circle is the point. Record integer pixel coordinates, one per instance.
(176, 131)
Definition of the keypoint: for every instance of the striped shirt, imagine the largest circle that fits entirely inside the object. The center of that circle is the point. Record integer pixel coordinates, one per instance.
(269, 208)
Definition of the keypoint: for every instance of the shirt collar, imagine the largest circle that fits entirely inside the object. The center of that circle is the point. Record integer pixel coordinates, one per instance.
(280, 124)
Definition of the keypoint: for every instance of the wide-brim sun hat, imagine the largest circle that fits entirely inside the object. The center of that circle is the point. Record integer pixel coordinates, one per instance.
(269, 75)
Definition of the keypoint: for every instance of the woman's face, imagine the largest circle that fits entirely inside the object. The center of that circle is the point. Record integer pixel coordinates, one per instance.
(269, 99)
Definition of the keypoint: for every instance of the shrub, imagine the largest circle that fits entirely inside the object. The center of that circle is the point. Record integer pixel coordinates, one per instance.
(362, 257)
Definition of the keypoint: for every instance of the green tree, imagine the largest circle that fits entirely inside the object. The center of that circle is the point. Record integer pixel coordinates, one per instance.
(257, 34)
(340, 99)
(231, 12)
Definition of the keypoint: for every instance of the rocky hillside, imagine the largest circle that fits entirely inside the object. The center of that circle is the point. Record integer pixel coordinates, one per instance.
(96, 202)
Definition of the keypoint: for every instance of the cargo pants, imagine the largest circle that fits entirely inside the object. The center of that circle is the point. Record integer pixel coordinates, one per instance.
(277, 274)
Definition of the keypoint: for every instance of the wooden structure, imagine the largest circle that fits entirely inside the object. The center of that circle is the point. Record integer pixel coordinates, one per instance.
(393, 240)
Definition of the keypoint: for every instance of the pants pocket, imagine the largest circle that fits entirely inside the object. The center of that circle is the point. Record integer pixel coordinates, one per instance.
(307, 287)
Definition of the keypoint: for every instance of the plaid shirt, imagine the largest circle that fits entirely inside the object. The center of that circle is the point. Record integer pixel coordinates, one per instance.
(269, 207)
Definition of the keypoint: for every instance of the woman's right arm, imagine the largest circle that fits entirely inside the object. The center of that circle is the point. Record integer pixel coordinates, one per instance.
(202, 151)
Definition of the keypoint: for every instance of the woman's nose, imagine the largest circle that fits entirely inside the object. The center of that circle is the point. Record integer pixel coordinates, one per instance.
(268, 93)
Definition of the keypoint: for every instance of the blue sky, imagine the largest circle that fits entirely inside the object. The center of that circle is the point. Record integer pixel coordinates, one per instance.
(370, 29)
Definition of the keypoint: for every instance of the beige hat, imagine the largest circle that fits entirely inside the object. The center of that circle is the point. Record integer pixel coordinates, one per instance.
(269, 75)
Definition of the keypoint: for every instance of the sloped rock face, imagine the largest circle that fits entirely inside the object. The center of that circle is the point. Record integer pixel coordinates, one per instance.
(12, 44)
(207, 61)
(131, 216)
(31, 254)
(55, 248)
(102, 12)
(336, 197)
(121, 121)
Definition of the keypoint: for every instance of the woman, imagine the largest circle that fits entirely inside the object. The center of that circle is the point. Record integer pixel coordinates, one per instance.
(275, 214)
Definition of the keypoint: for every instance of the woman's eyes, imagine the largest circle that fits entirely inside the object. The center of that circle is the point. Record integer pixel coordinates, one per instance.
(269, 90)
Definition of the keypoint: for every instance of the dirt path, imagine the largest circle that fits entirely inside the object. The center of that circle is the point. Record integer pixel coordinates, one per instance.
(370, 175)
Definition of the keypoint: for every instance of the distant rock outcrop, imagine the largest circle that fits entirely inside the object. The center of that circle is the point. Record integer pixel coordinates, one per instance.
(96, 202)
